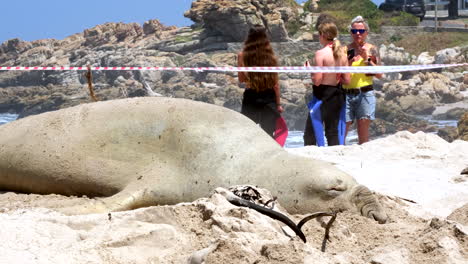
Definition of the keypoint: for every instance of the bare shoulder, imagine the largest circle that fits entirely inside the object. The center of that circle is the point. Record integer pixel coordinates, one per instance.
(320, 52)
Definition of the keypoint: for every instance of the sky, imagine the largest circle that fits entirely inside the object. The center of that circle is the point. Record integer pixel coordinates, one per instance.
(40, 19)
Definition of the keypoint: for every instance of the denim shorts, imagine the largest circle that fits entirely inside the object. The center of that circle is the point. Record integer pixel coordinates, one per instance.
(360, 106)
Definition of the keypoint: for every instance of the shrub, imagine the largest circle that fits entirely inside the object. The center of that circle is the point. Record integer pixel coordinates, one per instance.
(399, 19)
(432, 42)
(345, 11)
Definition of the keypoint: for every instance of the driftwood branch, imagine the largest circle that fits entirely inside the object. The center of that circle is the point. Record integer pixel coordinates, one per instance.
(238, 201)
(327, 228)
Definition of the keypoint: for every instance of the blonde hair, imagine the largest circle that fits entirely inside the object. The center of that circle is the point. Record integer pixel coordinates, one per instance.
(330, 32)
(359, 19)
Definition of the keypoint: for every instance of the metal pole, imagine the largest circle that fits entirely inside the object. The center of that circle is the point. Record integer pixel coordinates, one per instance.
(404, 6)
(435, 16)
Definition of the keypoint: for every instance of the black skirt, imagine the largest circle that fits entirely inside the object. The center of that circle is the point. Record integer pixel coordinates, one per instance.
(261, 107)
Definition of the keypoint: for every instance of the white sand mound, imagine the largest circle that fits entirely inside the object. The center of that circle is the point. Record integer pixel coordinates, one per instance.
(420, 167)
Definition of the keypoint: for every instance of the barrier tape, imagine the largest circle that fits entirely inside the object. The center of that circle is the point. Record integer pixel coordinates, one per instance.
(294, 69)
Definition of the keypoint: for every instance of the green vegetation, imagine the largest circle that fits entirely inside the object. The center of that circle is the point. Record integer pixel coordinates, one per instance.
(291, 3)
(293, 26)
(399, 19)
(306, 5)
(432, 42)
(345, 11)
(179, 38)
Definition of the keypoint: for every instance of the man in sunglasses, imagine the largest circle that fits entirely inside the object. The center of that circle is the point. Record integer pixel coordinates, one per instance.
(360, 96)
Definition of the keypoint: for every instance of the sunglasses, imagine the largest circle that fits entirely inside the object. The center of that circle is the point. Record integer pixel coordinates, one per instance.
(355, 31)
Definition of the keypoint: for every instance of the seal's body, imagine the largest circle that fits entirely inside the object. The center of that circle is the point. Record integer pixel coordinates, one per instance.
(153, 151)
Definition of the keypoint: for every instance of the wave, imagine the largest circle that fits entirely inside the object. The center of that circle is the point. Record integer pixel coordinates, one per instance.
(5, 118)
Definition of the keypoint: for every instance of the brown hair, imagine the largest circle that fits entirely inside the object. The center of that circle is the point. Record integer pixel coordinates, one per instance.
(330, 33)
(324, 18)
(258, 52)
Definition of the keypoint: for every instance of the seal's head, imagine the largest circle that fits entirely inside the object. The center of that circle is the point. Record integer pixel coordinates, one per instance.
(309, 186)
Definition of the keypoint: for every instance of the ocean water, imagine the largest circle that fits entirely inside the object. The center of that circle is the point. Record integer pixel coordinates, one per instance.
(294, 139)
(5, 118)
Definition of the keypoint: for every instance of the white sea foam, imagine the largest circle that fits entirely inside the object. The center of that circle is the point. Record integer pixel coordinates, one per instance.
(5, 118)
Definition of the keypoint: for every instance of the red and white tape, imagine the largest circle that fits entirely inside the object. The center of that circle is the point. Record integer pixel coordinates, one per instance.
(293, 69)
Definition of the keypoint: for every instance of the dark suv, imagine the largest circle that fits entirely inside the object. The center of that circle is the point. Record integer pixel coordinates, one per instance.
(415, 7)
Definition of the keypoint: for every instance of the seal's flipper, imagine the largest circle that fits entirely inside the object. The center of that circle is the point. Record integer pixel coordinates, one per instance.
(127, 199)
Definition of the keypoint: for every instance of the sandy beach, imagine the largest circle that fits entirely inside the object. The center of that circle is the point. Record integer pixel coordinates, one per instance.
(417, 178)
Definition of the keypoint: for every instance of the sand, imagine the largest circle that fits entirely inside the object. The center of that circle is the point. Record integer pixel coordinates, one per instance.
(416, 177)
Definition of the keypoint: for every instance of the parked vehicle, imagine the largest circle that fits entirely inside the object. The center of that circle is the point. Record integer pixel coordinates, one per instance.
(415, 7)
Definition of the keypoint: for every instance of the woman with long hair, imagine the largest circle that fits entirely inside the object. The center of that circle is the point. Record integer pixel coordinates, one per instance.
(327, 86)
(261, 100)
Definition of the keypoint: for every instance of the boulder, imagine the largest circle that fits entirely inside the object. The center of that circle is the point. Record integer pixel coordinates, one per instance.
(110, 33)
(421, 93)
(452, 55)
(425, 58)
(233, 19)
(451, 114)
(463, 127)
(448, 133)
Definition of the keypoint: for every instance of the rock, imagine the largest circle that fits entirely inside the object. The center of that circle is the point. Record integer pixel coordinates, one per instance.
(448, 133)
(207, 43)
(306, 36)
(233, 19)
(392, 55)
(452, 114)
(449, 55)
(463, 127)
(112, 33)
(416, 104)
(312, 5)
(425, 58)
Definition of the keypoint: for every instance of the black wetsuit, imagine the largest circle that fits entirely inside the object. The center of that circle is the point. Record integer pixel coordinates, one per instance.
(261, 108)
(332, 101)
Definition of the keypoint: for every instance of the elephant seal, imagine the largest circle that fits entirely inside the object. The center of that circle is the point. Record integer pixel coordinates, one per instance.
(156, 151)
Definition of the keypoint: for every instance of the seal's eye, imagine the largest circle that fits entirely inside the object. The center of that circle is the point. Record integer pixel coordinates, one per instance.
(335, 191)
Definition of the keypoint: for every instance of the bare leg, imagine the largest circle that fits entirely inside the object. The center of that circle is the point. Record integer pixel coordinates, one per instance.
(348, 125)
(363, 130)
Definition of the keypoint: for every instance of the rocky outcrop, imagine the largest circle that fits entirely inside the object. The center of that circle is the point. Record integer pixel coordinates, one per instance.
(232, 19)
(111, 33)
(153, 44)
(421, 94)
(463, 127)
(452, 55)
(453, 133)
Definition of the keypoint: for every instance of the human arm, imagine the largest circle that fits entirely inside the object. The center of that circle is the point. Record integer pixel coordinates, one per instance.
(375, 60)
(345, 78)
(371, 56)
(307, 64)
(276, 88)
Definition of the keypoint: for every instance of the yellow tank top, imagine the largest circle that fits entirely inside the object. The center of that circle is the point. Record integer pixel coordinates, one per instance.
(358, 80)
